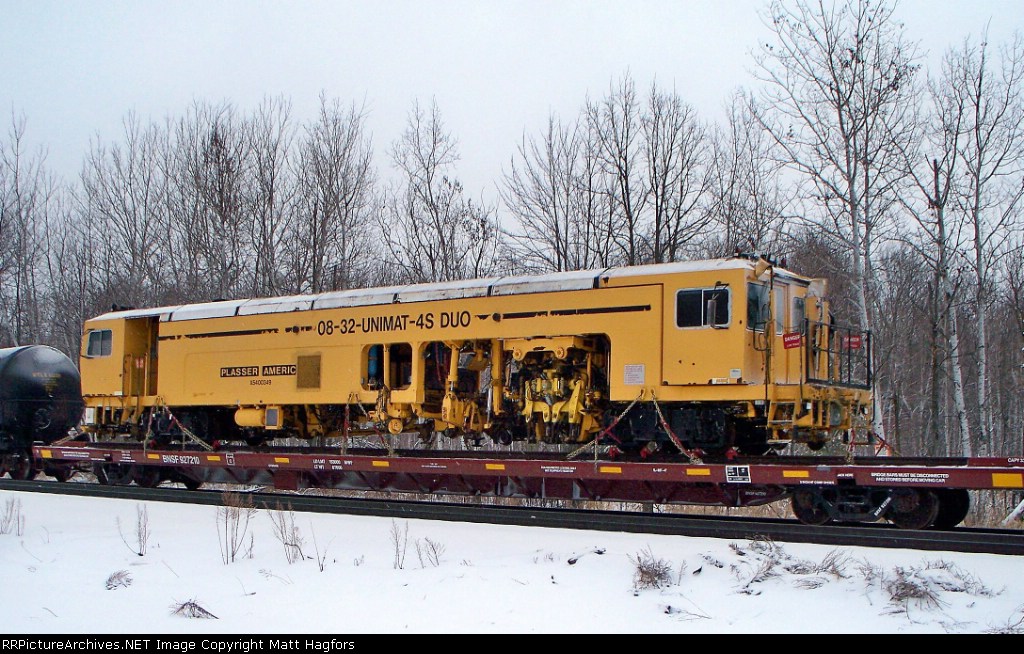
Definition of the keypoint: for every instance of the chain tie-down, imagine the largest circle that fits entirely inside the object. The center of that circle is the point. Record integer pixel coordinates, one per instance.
(692, 455)
(605, 432)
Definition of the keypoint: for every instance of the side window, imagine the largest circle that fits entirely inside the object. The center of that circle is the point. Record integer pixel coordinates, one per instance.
(757, 306)
(798, 314)
(688, 311)
(780, 309)
(387, 365)
(702, 307)
(373, 367)
(435, 365)
(101, 343)
(400, 355)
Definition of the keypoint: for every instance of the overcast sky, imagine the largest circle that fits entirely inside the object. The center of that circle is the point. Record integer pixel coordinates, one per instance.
(75, 69)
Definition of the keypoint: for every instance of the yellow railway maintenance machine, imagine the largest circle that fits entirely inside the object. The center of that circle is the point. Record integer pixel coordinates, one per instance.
(705, 355)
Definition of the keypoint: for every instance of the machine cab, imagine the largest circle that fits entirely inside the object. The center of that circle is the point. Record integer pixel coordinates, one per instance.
(118, 356)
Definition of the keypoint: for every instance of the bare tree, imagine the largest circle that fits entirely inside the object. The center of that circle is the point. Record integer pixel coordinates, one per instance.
(75, 250)
(677, 146)
(933, 163)
(431, 230)
(914, 365)
(288, 533)
(273, 191)
(747, 198)
(615, 122)
(596, 198)
(207, 164)
(548, 192)
(836, 79)
(27, 190)
(330, 232)
(993, 155)
(1011, 356)
(121, 189)
(626, 184)
(233, 520)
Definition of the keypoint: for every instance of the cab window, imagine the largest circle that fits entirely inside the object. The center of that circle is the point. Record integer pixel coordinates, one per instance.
(780, 314)
(702, 307)
(799, 313)
(100, 343)
(757, 306)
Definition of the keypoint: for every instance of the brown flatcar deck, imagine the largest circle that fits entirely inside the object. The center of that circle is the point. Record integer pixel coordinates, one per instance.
(909, 485)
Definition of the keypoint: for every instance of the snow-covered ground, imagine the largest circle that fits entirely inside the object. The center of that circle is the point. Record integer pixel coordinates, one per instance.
(72, 565)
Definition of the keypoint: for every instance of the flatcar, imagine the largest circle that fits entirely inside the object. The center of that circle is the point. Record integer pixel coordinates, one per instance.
(716, 356)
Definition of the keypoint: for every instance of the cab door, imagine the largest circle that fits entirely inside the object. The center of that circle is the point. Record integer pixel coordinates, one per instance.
(140, 356)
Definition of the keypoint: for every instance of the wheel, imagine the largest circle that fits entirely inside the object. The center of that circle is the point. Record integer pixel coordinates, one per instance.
(913, 508)
(61, 474)
(113, 474)
(502, 435)
(146, 476)
(255, 440)
(810, 507)
(954, 504)
(22, 466)
(427, 438)
(186, 481)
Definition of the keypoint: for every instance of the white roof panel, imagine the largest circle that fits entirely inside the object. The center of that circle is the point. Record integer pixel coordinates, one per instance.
(223, 309)
(356, 297)
(564, 281)
(676, 267)
(162, 312)
(277, 305)
(447, 290)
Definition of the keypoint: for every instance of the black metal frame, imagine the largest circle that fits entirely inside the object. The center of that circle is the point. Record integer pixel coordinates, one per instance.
(848, 367)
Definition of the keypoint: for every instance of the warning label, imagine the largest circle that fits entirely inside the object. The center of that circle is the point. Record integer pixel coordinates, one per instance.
(737, 474)
(902, 477)
(634, 374)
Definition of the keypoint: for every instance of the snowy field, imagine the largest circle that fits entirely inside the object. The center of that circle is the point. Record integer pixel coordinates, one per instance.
(72, 565)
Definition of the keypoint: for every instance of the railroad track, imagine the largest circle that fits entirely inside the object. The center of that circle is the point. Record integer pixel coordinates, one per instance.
(992, 541)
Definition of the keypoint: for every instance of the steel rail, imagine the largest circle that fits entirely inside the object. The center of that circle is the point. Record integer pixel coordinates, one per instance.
(991, 541)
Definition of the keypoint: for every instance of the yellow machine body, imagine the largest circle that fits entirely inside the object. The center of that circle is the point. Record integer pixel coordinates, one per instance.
(522, 353)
